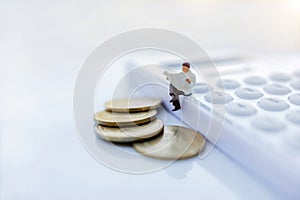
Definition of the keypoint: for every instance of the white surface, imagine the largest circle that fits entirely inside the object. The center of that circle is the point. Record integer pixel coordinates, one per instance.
(42, 47)
(42, 158)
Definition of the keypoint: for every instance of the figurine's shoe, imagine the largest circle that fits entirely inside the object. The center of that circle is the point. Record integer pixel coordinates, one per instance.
(175, 109)
(176, 104)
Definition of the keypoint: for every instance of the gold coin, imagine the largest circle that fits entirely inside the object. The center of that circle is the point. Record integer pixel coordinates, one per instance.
(176, 142)
(108, 118)
(132, 105)
(130, 134)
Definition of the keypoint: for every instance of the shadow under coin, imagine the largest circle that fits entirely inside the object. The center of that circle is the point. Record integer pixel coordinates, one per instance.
(124, 158)
(180, 168)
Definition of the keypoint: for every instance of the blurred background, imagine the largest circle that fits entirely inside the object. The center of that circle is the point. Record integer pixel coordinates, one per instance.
(69, 30)
(44, 43)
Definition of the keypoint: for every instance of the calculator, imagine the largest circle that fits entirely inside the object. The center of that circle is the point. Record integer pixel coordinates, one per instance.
(261, 129)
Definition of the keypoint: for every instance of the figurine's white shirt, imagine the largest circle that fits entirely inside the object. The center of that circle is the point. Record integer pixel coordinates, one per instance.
(178, 80)
(191, 76)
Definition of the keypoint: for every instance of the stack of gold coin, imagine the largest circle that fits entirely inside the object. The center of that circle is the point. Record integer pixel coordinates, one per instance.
(129, 120)
(133, 121)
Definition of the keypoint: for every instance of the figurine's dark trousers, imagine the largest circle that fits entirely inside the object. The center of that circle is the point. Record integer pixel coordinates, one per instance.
(174, 93)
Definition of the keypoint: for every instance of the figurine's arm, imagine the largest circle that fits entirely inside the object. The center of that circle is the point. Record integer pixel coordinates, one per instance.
(192, 80)
(166, 74)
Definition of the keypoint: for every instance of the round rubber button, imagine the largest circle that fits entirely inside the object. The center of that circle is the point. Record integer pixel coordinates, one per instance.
(268, 123)
(273, 104)
(295, 99)
(294, 117)
(248, 93)
(296, 85)
(218, 97)
(240, 109)
(201, 88)
(255, 80)
(282, 77)
(277, 89)
(228, 84)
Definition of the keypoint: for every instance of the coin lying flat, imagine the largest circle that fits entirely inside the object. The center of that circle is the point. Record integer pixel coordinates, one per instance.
(176, 142)
(108, 118)
(132, 105)
(130, 134)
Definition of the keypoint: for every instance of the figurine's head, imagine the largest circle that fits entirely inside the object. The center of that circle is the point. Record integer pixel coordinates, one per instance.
(185, 67)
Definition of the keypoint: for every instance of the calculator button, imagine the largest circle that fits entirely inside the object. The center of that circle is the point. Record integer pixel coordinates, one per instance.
(273, 104)
(228, 84)
(268, 123)
(240, 109)
(277, 89)
(218, 97)
(295, 99)
(201, 88)
(248, 93)
(297, 73)
(294, 117)
(255, 80)
(296, 85)
(282, 77)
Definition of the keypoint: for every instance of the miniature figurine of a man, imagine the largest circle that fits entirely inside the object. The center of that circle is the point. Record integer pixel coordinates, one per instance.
(181, 84)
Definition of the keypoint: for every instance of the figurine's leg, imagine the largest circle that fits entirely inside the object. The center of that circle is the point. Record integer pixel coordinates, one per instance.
(175, 94)
(171, 90)
(175, 98)
(176, 105)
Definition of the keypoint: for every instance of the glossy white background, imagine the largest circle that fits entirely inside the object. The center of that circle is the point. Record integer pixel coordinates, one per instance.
(42, 46)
